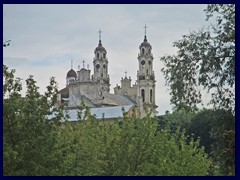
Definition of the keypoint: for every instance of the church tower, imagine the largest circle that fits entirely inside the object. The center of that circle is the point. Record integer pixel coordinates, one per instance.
(146, 79)
(100, 64)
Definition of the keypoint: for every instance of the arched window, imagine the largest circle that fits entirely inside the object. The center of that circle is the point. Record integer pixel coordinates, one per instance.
(97, 55)
(143, 95)
(143, 50)
(147, 71)
(151, 95)
(104, 55)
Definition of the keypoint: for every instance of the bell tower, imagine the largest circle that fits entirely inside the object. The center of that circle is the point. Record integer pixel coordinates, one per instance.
(146, 79)
(100, 64)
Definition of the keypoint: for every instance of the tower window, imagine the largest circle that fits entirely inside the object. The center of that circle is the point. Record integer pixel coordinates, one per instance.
(104, 55)
(143, 50)
(143, 95)
(147, 71)
(97, 66)
(102, 75)
(97, 55)
(151, 94)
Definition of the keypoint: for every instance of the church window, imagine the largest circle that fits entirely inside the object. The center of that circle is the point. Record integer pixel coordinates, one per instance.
(151, 94)
(104, 66)
(143, 50)
(142, 62)
(97, 55)
(149, 62)
(102, 75)
(104, 55)
(147, 71)
(97, 66)
(143, 95)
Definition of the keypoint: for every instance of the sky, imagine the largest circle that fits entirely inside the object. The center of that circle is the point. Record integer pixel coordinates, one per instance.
(45, 38)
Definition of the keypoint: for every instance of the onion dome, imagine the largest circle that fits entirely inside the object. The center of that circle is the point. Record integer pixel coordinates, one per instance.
(145, 42)
(100, 47)
(71, 73)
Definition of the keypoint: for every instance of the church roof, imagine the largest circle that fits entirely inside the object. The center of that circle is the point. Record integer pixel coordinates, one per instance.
(72, 73)
(113, 112)
(64, 92)
(119, 100)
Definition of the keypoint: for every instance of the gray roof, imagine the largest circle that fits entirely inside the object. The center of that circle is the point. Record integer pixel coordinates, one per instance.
(117, 100)
(112, 112)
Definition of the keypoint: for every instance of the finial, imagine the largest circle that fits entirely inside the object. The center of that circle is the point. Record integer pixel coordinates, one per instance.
(71, 63)
(83, 63)
(88, 66)
(125, 74)
(79, 67)
(145, 33)
(99, 35)
(145, 27)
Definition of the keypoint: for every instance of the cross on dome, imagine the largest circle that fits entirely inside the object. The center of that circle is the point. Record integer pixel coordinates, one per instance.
(145, 27)
(99, 34)
(83, 63)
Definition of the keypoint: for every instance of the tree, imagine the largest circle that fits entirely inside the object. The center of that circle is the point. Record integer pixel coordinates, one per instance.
(132, 147)
(205, 60)
(36, 142)
(28, 135)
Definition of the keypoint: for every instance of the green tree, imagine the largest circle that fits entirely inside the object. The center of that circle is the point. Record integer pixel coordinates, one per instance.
(205, 60)
(28, 135)
(180, 118)
(129, 147)
(39, 140)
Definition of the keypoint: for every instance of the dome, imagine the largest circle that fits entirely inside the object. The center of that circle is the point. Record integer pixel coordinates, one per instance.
(72, 73)
(145, 43)
(100, 47)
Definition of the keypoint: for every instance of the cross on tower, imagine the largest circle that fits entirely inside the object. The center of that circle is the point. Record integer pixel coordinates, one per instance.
(145, 27)
(99, 34)
(83, 63)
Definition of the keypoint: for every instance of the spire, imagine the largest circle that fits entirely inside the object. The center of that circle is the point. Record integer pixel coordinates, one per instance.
(71, 63)
(145, 33)
(83, 63)
(100, 43)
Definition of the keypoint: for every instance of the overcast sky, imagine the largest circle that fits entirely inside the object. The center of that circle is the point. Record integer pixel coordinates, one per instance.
(44, 39)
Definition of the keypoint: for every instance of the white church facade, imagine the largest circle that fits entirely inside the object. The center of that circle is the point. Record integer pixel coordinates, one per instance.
(94, 90)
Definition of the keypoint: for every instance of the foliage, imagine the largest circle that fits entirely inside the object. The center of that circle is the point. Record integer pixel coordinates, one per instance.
(205, 60)
(179, 119)
(215, 130)
(36, 142)
(130, 148)
(28, 136)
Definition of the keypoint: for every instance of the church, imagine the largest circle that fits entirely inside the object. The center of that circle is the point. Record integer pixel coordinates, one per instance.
(94, 90)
